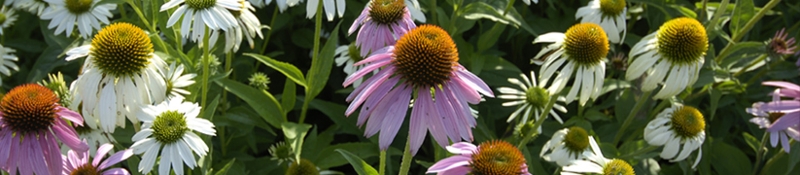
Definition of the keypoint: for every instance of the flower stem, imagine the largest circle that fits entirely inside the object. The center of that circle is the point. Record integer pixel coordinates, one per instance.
(760, 152)
(406, 164)
(269, 33)
(382, 166)
(761, 73)
(141, 16)
(749, 25)
(535, 129)
(744, 69)
(205, 61)
(640, 103)
(314, 56)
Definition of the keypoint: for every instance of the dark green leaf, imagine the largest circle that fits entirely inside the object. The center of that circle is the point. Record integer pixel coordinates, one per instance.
(752, 141)
(294, 134)
(361, 167)
(287, 69)
(261, 101)
(208, 112)
(321, 67)
(727, 159)
(742, 13)
(328, 159)
(289, 96)
(224, 169)
(489, 38)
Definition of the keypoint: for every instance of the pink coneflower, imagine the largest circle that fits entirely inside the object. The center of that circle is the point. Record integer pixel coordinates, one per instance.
(30, 125)
(382, 22)
(780, 117)
(492, 157)
(78, 162)
(426, 60)
(779, 45)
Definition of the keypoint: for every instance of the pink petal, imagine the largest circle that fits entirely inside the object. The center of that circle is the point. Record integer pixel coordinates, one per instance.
(782, 84)
(69, 137)
(101, 152)
(70, 115)
(463, 148)
(788, 120)
(474, 82)
(449, 163)
(435, 124)
(374, 98)
(116, 158)
(52, 153)
(362, 96)
(417, 124)
(116, 171)
(364, 71)
(395, 115)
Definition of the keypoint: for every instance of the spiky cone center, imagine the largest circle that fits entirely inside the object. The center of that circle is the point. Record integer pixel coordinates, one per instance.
(497, 157)
(387, 11)
(86, 169)
(687, 122)
(618, 167)
(682, 41)
(305, 167)
(200, 4)
(354, 52)
(586, 44)
(169, 127)
(121, 49)
(78, 6)
(2, 18)
(774, 116)
(612, 7)
(537, 97)
(29, 108)
(281, 151)
(425, 56)
(576, 140)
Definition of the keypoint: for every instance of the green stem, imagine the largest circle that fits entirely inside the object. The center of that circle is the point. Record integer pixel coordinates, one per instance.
(405, 165)
(749, 25)
(434, 15)
(535, 129)
(269, 33)
(382, 166)
(760, 152)
(759, 59)
(205, 61)
(508, 7)
(639, 152)
(314, 56)
(639, 104)
(141, 16)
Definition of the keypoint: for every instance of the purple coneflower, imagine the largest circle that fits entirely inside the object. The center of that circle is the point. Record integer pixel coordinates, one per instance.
(426, 60)
(492, 157)
(779, 45)
(78, 162)
(781, 118)
(31, 123)
(382, 22)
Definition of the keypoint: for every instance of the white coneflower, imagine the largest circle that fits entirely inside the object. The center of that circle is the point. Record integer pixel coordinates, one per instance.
(282, 4)
(7, 59)
(610, 14)
(330, 7)
(120, 74)
(596, 163)
(566, 146)
(177, 81)
(675, 52)
(676, 126)
(86, 15)
(531, 97)
(7, 18)
(248, 26)
(169, 128)
(199, 14)
(34, 6)
(581, 51)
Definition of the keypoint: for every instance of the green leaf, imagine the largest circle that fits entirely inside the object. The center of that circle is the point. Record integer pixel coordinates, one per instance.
(478, 10)
(727, 159)
(752, 141)
(294, 134)
(289, 96)
(327, 159)
(489, 38)
(742, 13)
(321, 67)
(261, 101)
(287, 69)
(208, 112)
(684, 11)
(715, 96)
(361, 167)
(224, 169)
(741, 48)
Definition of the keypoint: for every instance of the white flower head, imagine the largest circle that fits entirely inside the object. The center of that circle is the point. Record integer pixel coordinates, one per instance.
(120, 75)
(671, 56)
(581, 51)
(34, 6)
(531, 97)
(567, 145)
(610, 14)
(177, 81)
(7, 62)
(676, 126)
(248, 27)
(86, 15)
(7, 18)
(596, 163)
(169, 128)
(197, 15)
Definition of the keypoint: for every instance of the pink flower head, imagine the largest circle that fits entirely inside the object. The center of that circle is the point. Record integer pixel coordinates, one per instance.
(382, 22)
(423, 62)
(781, 118)
(481, 159)
(31, 123)
(78, 162)
(779, 45)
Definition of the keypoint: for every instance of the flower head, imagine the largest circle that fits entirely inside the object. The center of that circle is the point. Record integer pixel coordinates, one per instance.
(170, 127)
(78, 162)
(87, 15)
(32, 122)
(7, 18)
(7, 59)
(531, 98)
(596, 163)
(381, 23)
(304, 167)
(779, 45)
(780, 117)
(259, 80)
(581, 51)
(281, 152)
(423, 62)
(491, 157)
(610, 14)
(675, 52)
(566, 145)
(248, 27)
(177, 82)
(201, 14)
(34, 6)
(676, 126)
(120, 74)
